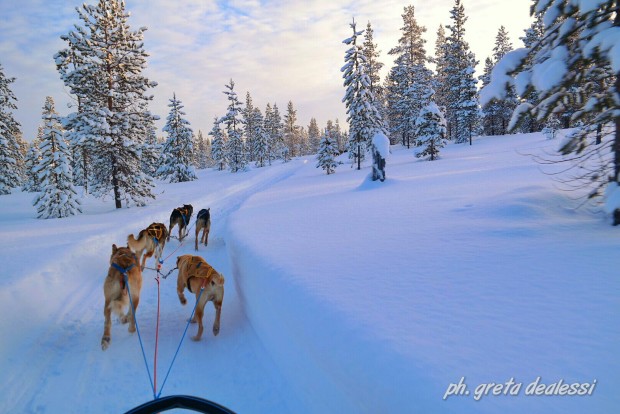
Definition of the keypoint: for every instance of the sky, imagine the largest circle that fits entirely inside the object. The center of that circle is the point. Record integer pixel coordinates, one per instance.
(279, 51)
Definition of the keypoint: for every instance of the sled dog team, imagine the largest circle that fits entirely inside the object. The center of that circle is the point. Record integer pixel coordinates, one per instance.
(123, 283)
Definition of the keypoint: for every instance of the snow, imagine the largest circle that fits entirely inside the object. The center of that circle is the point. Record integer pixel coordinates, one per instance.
(340, 297)
(500, 76)
(552, 71)
(607, 42)
(382, 144)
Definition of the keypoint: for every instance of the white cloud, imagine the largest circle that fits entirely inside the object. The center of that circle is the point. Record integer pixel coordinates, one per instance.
(276, 50)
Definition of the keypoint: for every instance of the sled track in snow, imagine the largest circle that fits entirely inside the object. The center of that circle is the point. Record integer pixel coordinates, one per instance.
(63, 335)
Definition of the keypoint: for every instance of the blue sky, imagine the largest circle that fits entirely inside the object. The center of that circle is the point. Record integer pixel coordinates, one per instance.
(276, 50)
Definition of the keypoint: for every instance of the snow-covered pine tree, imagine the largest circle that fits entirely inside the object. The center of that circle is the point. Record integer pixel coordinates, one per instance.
(373, 69)
(461, 113)
(58, 197)
(235, 148)
(218, 143)
(10, 155)
(339, 136)
(150, 155)
(440, 83)
(326, 156)
(260, 138)
(314, 136)
(32, 183)
(409, 78)
(202, 152)
(505, 107)
(430, 131)
(532, 40)
(468, 111)
(291, 133)
(364, 118)
(247, 118)
(178, 152)
(102, 66)
(489, 110)
(275, 136)
(578, 47)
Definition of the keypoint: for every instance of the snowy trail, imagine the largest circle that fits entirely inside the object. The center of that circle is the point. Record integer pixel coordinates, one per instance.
(55, 307)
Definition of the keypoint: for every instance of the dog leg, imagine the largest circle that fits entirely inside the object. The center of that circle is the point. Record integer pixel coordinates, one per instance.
(180, 289)
(170, 230)
(218, 312)
(200, 309)
(143, 265)
(107, 324)
(135, 299)
(205, 235)
(196, 241)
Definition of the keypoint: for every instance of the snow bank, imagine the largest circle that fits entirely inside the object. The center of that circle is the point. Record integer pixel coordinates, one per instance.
(472, 274)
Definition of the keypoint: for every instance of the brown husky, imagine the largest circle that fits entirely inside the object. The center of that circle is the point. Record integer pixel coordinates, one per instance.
(203, 222)
(123, 260)
(152, 239)
(197, 274)
(180, 216)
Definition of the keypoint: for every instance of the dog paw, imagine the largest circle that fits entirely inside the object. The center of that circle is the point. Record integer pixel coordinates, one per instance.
(216, 330)
(183, 301)
(196, 338)
(132, 328)
(105, 343)
(124, 319)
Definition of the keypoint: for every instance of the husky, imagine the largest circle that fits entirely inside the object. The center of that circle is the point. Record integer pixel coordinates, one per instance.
(196, 274)
(180, 216)
(203, 222)
(115, 290)
(152, 239)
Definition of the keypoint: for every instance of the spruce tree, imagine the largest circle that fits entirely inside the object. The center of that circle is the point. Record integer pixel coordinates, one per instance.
(314, 136)
(505, 107)
(409, 78)
(202, 153)
(102, 66)
(291, 133)
(33, 182)
(247, 118)
(177, 165)
(58, 197)
(430, 131)
(235, 148)
(326, 156)
(10, 155)
(364, 118)
(151, 156)
(577, 49)
(217, 145)
(275, 135)
(461, 107)
(260, 139)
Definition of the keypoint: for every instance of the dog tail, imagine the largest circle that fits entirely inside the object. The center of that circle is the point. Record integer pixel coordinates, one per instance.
(135, 244)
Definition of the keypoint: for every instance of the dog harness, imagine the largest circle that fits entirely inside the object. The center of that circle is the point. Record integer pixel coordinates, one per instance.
(210, 271)
(156, 232)
(184, 213)
(124, 271)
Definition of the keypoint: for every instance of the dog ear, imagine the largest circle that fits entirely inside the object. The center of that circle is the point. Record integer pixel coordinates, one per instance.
(114, 248)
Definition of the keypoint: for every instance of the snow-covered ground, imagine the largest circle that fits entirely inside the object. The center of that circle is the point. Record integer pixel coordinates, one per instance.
(342, 295)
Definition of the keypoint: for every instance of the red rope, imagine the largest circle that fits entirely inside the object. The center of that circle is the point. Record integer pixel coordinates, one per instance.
(156, 340)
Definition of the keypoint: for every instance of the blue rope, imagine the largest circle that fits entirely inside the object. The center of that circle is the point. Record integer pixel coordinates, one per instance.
(138, 330)
(181, 342)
